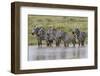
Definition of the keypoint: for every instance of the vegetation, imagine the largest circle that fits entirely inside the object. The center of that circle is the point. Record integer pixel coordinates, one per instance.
(65, 23)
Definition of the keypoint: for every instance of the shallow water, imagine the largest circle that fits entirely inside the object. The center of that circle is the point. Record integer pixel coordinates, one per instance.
(53, 53)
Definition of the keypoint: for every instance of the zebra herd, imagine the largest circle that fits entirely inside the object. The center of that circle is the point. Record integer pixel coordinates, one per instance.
(53, 35)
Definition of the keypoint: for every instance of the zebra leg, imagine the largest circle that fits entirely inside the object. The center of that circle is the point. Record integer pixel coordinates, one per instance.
(49, 43)
(82, 43)
(38, 43)
(67, 44)
(57, 43)
(73, 44)
(79, 43)
(64, 44)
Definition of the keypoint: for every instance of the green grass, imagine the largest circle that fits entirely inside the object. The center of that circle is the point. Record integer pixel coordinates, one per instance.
(65, 23)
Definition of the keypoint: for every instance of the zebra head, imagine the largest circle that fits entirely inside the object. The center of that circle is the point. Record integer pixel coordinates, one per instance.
(35, 30)
(77, 32)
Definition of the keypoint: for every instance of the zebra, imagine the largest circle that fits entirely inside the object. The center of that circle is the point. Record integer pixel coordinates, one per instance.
(68, 39)
(60, 35)
(49, 36)
(81, 36)
(43, 35)
(40, 34)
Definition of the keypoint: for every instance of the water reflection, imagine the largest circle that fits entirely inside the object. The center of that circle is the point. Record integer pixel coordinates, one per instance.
(47, 53)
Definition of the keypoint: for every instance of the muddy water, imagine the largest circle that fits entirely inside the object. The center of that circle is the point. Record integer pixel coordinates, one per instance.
(53, 53)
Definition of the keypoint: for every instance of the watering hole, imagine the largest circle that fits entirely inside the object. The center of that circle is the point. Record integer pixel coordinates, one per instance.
(53, 53)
